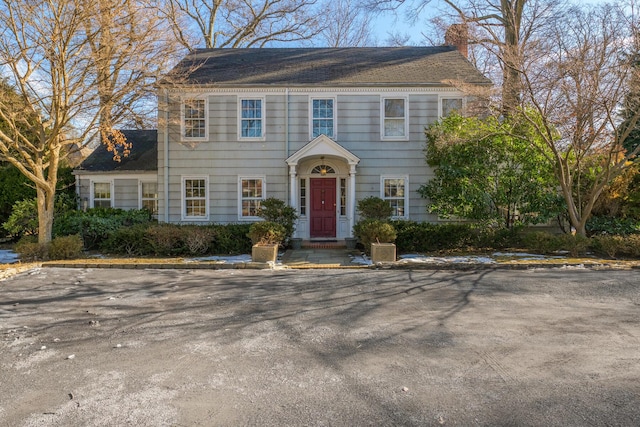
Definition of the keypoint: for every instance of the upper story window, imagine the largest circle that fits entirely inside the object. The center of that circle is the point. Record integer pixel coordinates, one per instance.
(194, 118)
(394, 112)
(194, 197)
(251, 118)
(394, 191)
(450, 105)
(323, 117)
(101, 195)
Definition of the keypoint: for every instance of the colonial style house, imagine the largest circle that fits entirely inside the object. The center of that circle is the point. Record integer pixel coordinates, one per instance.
(319, 128)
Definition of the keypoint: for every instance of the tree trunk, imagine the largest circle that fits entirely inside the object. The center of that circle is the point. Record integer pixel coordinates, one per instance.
(46, 206)
(512, 11)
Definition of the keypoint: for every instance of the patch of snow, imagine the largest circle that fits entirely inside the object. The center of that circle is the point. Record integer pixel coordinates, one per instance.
(360, 259)
(417, 258)
(518, 254)
(8, 257)
(223, 259)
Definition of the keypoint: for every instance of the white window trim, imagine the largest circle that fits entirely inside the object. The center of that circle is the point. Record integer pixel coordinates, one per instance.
(183, 99)
(183, 205)
(92, 195)
(406, 192)
(140, 198)
(264, 196)
(406, 118)
(263, 117)
(443, 97)
(335, 115)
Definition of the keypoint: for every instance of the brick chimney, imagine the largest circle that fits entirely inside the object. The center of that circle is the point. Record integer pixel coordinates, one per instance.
(457, 35)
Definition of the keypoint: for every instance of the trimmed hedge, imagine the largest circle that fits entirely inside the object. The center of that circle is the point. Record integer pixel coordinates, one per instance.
(95, 226)
(426, 237)
(370, 231)
(179, 240)
(136, 233)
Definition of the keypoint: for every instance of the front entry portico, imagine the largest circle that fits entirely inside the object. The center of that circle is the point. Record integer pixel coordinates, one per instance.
(322, 189)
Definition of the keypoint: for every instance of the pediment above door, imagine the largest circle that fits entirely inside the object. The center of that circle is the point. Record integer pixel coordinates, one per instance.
(323, 146)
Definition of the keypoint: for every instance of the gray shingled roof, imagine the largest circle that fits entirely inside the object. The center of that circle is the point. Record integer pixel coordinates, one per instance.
(143, 155)
(398, 66)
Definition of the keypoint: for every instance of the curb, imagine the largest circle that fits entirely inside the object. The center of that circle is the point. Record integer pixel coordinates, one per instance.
(378, 266)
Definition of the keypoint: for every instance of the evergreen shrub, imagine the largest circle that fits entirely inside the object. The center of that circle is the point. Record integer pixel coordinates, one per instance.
(65, 247)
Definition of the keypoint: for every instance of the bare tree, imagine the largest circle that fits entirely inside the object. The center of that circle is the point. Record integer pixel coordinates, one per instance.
(503, 27)
(347, 25)
(573, 89)
(74, 72)
(240, 23)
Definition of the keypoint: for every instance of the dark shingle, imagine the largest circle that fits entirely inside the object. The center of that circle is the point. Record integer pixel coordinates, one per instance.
(327, 67)
(143, 155)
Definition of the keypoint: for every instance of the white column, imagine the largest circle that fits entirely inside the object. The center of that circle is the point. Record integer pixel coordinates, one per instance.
(293, 193)
(293, 188)
(352, 198)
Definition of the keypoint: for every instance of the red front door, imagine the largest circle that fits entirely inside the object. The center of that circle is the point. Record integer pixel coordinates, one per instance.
(323, 207)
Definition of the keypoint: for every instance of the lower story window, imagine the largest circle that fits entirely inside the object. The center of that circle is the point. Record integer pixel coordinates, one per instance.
(394, 192)
(303, 196)
(101, 194)
(252, 192)
(149, 197)
(194, 191)
(343, 196)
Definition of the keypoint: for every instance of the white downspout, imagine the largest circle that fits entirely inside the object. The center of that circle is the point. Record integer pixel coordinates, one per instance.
(288, 191)
(166, 156)
(352, 198)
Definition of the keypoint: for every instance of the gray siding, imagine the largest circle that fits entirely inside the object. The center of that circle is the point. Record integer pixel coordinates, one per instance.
(125, 189)
(125, 193)
(223, 157)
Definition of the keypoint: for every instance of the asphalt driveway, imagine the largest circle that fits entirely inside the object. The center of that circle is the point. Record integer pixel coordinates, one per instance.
(86, 347)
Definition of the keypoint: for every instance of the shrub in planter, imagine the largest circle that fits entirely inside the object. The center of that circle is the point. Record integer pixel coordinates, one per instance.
(275, 210)
(374, 208)
(266, 233)
(373, 230)
(66, 247)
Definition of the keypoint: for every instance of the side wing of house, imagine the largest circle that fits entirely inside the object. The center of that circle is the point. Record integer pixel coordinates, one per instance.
(131, 183)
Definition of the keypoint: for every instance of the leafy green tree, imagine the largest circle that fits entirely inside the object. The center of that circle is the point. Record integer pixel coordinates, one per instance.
(483, 172)
(15, 187)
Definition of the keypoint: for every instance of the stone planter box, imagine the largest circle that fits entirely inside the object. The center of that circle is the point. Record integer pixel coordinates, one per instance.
(383, 252)
(264, 253)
